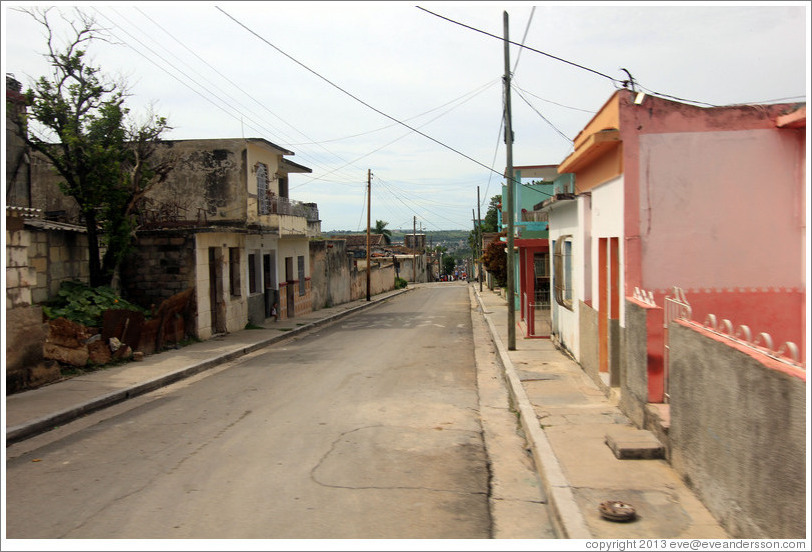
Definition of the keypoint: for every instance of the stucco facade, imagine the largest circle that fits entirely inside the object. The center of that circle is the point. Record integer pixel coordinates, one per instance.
(710, 201)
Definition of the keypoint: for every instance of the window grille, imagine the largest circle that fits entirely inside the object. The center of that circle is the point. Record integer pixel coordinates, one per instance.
(562, 266)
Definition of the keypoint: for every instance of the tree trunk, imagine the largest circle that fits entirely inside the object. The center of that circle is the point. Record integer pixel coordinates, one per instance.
(97, 276)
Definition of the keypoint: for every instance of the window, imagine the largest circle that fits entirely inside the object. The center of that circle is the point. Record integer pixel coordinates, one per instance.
(263, 202)
(253, 286)
(301, 275)
(562, 266)
(234, 270)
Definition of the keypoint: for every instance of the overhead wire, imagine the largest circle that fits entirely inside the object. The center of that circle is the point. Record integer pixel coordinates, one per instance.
(546, 120)
(502, 39)
(353, 96)
(475, 92)
(275, 130)
(622, 82)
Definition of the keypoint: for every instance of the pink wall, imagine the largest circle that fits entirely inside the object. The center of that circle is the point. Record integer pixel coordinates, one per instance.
(720, 211)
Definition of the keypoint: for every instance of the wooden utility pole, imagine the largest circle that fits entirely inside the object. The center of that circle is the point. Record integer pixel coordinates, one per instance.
(414, 251)
(479, 237)
(511, 284)
(369, 221)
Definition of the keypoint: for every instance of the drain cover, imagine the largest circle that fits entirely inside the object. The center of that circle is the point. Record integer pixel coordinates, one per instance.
(614, 510)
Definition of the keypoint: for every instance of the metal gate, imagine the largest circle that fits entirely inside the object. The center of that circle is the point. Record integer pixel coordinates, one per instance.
(675, 306)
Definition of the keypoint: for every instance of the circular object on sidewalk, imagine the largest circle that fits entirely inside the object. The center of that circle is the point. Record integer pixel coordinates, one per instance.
(615, 510)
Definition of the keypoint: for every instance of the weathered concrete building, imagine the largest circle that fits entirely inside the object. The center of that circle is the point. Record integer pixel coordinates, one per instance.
(223, 223)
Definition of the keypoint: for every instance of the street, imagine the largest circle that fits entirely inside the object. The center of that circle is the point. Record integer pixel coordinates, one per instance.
(368, 428)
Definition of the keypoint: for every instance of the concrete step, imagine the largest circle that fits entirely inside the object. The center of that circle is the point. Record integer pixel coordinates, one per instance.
(634, 444)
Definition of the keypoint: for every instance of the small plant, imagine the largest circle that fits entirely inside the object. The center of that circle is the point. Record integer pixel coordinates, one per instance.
(251, 326)
(81, 303)
(400, 283)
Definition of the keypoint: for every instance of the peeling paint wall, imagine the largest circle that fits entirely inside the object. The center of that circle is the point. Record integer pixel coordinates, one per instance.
(208, 180)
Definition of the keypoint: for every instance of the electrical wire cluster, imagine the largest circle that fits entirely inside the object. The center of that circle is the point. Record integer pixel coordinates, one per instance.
(334, 168)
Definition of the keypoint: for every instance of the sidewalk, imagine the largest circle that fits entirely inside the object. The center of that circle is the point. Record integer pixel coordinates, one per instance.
(567, 419)
(33, 412)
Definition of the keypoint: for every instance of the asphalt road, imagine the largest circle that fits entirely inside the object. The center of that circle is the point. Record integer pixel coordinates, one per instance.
(368, 428)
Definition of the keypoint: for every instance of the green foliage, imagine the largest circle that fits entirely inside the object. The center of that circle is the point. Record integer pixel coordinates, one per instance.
(400, 283)
(380, 228)
(77, 119)
(449, 263)
(81, 303)
(491, 221)
(250, 326)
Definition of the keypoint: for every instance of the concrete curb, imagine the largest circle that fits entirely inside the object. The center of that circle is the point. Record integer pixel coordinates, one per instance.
(567, 515)
(37, 426)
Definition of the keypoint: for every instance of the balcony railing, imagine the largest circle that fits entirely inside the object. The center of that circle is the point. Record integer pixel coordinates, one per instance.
(276, 205)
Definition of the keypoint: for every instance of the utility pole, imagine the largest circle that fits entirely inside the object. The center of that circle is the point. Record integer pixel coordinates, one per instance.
(414, 251)
(474, 249)
(479, 237)
(369, 219)
(509, 176)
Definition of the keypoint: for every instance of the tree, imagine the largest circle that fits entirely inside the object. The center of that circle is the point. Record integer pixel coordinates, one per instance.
(449, 263)
(107, 162)
(380, 228)
(494, 259)
(491, 221)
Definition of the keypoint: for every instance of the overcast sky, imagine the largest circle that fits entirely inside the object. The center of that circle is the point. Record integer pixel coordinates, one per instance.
(230, 72)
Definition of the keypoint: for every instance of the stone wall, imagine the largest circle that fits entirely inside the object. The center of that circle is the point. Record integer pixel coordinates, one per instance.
(57, 256)
(738, 433)
(161, 265)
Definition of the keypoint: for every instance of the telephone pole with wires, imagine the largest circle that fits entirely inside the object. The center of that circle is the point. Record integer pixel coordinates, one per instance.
(369, 219)
(509, 177)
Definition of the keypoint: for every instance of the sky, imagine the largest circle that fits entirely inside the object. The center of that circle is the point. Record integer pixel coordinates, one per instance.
(413, 91)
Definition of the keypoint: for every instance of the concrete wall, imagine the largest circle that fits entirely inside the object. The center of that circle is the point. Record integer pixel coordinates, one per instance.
(634, 375)
(588, 337)
(330, 273)
(738, 434)
(381, 279)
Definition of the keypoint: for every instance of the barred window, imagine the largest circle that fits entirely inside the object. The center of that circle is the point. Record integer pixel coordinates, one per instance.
(263, 203)
(562, 266)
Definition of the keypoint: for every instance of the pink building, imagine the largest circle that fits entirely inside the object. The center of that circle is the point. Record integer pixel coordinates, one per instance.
(708, 200)
(683, 292)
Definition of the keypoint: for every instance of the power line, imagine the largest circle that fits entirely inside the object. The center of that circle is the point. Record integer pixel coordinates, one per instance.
(546, 120)
(356, 98)
(474, 92)
(614, 80)
(513, 83)
(502, 39)
(261, 122)
(526, 29)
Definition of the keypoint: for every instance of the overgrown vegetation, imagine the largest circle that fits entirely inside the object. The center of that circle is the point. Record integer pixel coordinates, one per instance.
(106, 160)
(80, 303)
(400, 283)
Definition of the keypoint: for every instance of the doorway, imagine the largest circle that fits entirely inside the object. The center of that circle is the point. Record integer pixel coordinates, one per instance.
(290, 288)
(217, 303)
